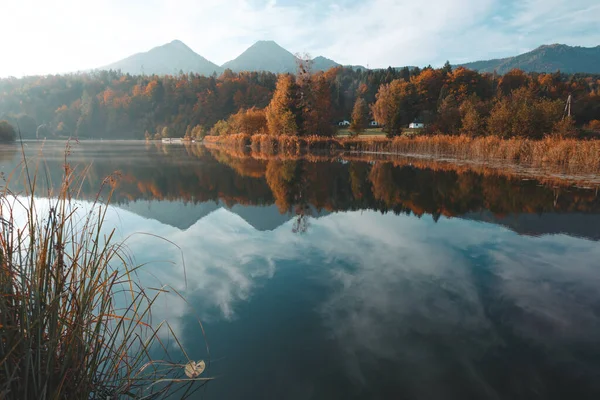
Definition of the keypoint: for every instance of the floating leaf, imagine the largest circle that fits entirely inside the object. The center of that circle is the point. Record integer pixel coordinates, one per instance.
(193, 369)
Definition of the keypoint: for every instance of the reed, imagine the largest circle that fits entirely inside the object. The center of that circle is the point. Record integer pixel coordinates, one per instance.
(66, 331)
(569, 154)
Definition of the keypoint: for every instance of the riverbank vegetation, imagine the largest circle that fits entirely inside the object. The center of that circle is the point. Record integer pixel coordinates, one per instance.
(570, 155)
(238, 176)
(458, 101)
(74, 320)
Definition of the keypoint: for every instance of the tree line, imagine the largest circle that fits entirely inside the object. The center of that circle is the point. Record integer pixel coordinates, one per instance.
(112, 105)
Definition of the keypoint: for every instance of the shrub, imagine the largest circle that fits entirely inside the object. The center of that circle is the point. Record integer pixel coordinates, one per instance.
(251, 121)
(593, 126)
(7, 132)
(565, 128)
(221, 128)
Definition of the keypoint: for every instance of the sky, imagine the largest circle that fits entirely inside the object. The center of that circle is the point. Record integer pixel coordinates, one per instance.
(59, 36)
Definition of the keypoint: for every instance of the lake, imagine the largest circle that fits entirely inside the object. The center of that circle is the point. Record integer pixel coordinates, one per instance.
(338, 277)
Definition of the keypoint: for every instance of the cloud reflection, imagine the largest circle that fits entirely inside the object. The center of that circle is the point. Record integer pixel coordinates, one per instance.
(431, 298)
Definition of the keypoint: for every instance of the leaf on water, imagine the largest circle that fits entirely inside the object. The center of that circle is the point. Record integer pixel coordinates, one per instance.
(193, 369)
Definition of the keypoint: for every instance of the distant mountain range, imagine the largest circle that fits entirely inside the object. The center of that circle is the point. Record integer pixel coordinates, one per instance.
(269, 56)
(175, 56)
(547, 58)
(183, 215)
(169, 58)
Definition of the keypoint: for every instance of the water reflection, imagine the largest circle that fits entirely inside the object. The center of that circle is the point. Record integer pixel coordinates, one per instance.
(316, 185)
(371, 300)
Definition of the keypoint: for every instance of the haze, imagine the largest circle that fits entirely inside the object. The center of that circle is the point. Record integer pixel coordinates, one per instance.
(43, 37)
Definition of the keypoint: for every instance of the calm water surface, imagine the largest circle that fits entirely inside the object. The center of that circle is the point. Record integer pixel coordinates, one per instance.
(337, 279)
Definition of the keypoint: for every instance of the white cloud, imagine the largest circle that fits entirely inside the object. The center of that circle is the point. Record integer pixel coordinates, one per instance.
(39, 36)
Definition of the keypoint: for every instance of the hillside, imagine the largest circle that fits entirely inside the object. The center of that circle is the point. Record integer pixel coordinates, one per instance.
(166, 59)
(547, 58)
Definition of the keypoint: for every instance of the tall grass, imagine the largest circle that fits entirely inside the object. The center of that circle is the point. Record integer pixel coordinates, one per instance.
(570, 154)
(75, 322)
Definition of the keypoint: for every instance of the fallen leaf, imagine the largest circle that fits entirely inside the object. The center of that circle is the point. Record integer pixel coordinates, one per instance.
(193, 369)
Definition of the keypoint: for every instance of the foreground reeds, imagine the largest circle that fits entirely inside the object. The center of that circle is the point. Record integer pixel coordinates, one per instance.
(569, 154)
(75, 322)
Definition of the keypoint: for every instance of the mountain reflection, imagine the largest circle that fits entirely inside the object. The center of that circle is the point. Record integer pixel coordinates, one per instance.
(311, 186)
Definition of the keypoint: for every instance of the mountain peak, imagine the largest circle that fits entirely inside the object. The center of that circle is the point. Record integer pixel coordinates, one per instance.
(265, 43)
(267, 55)
(177, 42)
(552, 46)
(264, 55)
(170, 58)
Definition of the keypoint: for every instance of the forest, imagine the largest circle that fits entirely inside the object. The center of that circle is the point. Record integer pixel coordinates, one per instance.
(112, 105)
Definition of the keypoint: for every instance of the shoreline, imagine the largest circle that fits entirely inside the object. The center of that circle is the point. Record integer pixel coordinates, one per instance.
(559, 174)
(570, 156)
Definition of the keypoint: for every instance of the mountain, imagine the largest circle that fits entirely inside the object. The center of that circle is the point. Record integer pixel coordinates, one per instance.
(323, 64)
(547, 58)
(169, 58)
(266, 55)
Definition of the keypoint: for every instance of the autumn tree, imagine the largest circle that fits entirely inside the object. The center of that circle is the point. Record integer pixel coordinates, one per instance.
(462, 82)
(448, 118)
(250, 121)
(198, 132)
(473, 114)
(283, 113)
(428, 85)
(316, 106)
(360, 116)
(512, 80)
(90, 121)
(522, 114)
(221, 128)
(395, 106)
(7, 132)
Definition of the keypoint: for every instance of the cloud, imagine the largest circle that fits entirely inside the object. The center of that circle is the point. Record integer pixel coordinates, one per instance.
(37, 36)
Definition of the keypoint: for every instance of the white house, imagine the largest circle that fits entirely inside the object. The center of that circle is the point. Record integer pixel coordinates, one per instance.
(416, 125)
(374, 124)
(344, 123)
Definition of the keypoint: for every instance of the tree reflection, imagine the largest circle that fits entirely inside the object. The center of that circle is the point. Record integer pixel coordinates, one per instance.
(289, 184)
(303, 186)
